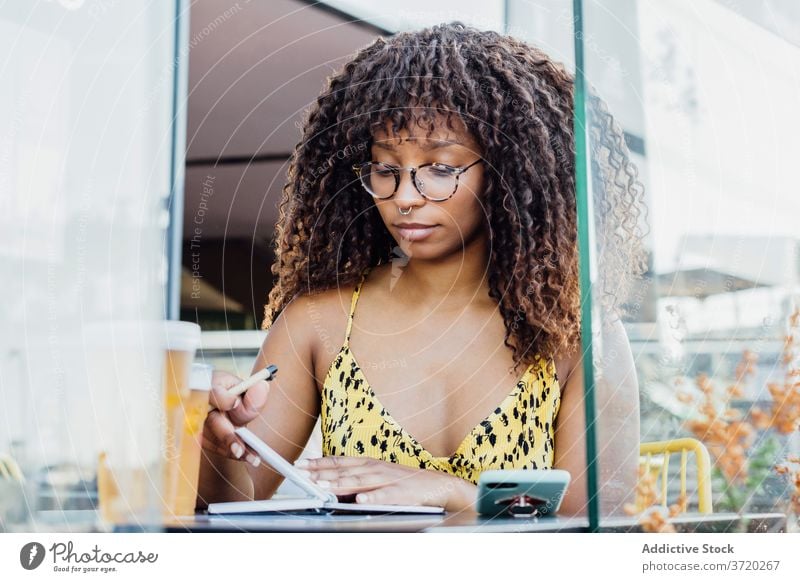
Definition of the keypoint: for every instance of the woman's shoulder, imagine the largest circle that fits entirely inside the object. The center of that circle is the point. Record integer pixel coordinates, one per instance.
(323, 313)
(615, 338)
(328, 302)
(319, 307)
(564, 366)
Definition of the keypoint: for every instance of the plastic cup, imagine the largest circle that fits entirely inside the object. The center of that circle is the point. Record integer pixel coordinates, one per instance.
(181, 340)
(139, 378)
(195, 412)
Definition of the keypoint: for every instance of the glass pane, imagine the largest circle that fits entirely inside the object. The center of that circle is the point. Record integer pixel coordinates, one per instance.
(701, 172)
(86, 91)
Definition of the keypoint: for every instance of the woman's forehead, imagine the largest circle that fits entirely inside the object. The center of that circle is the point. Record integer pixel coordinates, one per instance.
(437, 134)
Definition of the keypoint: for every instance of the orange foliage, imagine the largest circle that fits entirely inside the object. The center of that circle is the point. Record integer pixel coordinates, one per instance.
(723, 430)
(726, 435)
(653, 521)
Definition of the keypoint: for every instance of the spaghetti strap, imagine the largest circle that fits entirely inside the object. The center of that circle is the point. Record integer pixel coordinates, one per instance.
(353, 302)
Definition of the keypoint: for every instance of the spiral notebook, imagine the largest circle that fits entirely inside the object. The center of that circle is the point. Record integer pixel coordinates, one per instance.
(318, 500)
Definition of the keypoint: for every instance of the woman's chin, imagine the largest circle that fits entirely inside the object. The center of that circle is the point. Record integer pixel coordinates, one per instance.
(414, 248)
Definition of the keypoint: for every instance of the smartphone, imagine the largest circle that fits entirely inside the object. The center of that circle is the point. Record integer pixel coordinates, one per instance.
(521, 492)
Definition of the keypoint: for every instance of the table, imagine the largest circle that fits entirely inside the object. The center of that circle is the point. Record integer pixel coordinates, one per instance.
(464, 523)
(296, 522)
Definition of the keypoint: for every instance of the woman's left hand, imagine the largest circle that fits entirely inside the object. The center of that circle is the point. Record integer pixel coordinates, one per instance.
(379, 482)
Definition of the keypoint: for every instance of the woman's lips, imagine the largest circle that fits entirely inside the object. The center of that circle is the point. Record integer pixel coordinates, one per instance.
(416, 233)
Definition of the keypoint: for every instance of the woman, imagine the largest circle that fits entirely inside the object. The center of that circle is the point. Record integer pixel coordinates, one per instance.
(434, 190)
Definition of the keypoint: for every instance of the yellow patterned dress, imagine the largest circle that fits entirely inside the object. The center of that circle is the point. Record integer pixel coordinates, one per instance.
(518, 434)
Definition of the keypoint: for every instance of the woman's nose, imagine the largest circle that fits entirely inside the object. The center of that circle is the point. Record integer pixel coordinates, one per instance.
(407, 193)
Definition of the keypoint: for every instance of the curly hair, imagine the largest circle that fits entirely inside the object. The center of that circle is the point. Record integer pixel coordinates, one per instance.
(518, 104)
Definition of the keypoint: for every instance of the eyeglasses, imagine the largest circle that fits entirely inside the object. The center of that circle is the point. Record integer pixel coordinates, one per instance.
(436, 182)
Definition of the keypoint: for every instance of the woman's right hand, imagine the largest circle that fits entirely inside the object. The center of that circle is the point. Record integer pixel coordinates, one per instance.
(229, 413)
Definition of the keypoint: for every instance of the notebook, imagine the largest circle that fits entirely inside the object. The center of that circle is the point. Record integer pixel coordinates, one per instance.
(318, 500)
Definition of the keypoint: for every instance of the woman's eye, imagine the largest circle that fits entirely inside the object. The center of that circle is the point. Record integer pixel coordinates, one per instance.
(441, 170)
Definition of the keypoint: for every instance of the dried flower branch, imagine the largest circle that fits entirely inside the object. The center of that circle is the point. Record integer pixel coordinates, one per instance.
(785, 410)
(792, 467)
(723, 430)
(651, 518)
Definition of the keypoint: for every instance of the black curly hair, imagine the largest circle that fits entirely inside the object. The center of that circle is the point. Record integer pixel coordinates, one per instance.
(518, 104)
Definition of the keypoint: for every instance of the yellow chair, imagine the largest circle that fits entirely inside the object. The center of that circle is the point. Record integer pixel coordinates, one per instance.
(9, 469)
(662, 450)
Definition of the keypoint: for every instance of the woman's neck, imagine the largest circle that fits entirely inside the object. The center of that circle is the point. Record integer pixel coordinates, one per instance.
(447, 283)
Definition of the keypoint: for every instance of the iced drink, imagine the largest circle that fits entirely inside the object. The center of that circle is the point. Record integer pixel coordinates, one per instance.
(181, 344)
(139, 382)
(195, 412)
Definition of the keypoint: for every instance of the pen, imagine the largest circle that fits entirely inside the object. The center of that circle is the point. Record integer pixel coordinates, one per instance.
(267, 373)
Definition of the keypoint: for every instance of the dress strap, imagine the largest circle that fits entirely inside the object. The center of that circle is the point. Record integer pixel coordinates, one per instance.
(353, 302)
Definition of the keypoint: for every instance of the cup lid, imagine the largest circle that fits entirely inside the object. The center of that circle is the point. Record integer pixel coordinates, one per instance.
(200, 376)
(167, 334)
(180, 335)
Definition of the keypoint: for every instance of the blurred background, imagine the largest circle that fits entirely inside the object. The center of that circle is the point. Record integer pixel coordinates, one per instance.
(144, 146)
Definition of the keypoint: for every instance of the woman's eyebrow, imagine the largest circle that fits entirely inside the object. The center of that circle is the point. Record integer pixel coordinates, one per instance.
(384, 146)
(426, 145)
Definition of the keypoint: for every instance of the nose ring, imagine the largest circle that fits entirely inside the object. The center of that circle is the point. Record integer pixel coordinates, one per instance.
(406, 213)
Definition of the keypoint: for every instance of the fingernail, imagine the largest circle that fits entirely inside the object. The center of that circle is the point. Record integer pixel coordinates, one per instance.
(237, 403)
(301, 463)
(253, 460)
(237, 450)
(361, 498)
(325, 484)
